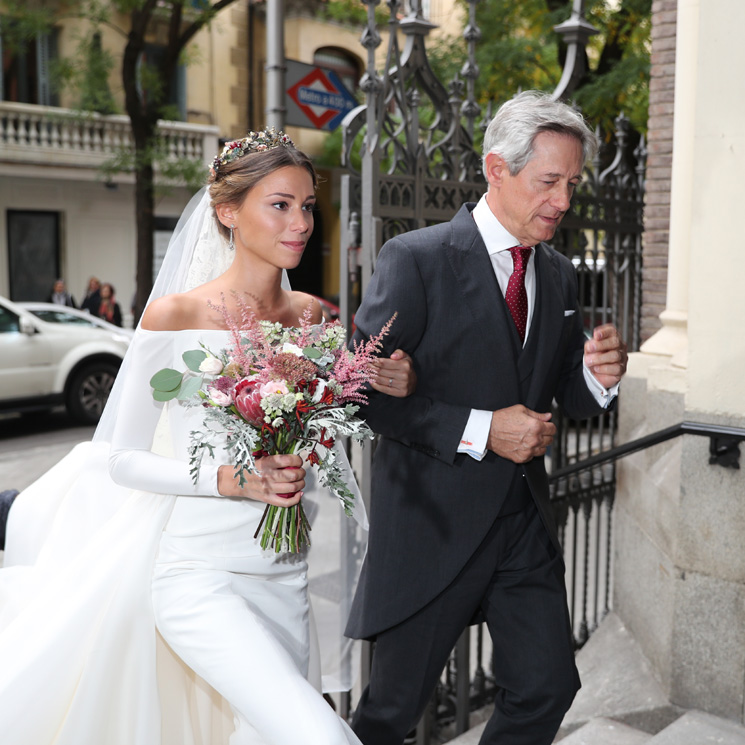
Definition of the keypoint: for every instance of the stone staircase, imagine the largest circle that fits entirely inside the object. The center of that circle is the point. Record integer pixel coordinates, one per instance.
(621, 702)
(693, 728)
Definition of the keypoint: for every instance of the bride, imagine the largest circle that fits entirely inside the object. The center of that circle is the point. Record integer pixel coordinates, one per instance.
(101, 553)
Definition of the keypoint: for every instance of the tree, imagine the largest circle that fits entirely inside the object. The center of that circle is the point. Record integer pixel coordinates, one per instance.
(147, 82)
(519, 49)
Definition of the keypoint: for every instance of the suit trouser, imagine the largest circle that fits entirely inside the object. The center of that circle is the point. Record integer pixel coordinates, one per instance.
(516, 578)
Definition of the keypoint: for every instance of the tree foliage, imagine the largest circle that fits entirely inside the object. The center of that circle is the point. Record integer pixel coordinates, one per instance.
(147, 81)
(520, 50)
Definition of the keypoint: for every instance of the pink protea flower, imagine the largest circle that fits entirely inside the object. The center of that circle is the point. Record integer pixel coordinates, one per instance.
(248, 401)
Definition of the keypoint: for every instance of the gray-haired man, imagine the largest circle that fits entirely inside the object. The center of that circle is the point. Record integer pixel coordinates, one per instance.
(460, 516)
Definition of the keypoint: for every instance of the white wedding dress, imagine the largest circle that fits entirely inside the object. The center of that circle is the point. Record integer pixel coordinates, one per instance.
(81, 662)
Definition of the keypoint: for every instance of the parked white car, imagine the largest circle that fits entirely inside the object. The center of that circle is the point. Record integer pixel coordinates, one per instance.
(52, 313)
(44, 364)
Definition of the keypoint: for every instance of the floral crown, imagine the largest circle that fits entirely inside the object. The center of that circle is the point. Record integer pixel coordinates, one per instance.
(256, 142)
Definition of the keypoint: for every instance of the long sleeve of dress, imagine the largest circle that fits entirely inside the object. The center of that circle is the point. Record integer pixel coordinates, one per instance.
(132, 462)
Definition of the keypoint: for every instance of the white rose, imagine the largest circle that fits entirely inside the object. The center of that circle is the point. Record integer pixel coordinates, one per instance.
(292, 349)
(211, 366)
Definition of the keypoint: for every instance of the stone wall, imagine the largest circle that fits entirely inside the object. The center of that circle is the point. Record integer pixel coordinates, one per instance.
(679, 565)
(679, 569)
(659, 164)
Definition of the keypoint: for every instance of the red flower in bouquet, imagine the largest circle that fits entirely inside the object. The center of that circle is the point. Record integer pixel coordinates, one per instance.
(248, 401)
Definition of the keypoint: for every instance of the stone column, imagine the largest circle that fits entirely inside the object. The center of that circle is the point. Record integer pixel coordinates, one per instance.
(671, 340)
(659, 165)
(680, 554)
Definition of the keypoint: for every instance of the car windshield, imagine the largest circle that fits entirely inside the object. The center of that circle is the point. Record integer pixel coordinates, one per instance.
(8, 321)
(57, 316)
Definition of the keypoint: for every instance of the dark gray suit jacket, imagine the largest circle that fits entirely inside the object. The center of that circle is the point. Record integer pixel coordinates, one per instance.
(430, 505)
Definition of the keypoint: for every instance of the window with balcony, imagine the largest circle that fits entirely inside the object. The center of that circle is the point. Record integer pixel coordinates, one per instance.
(176, 102)
(26, 74)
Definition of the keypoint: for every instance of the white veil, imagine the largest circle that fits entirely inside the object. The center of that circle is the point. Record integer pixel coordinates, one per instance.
(196, 254)
(75, 612)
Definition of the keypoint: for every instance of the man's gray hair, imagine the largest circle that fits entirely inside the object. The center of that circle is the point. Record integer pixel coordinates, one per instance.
(512, 131)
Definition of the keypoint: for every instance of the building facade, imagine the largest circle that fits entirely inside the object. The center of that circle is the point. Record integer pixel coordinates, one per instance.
(679, 557)
(62, 216)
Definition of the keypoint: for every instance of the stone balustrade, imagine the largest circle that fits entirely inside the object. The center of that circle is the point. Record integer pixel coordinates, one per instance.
(52, 136)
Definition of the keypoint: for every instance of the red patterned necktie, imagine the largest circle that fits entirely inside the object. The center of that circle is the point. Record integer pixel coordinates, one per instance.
(516, 296)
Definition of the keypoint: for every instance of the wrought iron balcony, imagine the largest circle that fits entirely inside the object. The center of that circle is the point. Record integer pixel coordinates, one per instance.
(54, 137)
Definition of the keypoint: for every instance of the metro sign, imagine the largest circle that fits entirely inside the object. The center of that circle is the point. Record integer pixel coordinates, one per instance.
(322, 98)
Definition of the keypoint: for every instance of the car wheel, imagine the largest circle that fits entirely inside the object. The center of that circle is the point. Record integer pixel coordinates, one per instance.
(89, 390)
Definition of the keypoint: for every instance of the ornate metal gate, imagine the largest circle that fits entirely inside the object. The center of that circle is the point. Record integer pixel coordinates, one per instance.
(415, 141)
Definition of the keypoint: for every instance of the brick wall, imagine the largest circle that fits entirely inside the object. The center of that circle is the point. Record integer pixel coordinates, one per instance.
(659, 164)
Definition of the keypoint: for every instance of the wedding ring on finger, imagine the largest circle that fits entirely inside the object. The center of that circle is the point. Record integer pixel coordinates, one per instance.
(390, 382)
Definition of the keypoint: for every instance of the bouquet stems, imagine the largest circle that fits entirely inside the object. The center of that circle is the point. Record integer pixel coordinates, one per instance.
(284, 528)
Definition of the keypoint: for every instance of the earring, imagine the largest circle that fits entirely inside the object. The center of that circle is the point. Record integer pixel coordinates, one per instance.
(231, 242)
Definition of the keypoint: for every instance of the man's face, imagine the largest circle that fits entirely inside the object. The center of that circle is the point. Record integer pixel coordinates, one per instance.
(531, 204)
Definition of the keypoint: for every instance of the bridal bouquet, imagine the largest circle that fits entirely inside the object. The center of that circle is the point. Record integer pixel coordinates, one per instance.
(277, 390)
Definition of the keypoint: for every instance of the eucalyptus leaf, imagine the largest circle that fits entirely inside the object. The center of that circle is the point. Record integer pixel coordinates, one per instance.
(165, 395)
(167, 379)
(311, 353)
(189, 388)
(194, 359)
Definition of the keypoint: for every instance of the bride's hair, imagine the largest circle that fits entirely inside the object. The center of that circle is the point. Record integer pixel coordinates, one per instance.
(234, 179)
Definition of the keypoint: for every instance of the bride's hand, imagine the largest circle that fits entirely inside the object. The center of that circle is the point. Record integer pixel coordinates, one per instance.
(281, 481)
(396, 375)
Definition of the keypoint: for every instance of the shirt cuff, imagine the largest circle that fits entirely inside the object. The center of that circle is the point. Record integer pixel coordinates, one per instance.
(476, 434)
(604, 396)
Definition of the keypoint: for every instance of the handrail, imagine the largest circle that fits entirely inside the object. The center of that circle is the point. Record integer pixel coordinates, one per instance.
(724, 446)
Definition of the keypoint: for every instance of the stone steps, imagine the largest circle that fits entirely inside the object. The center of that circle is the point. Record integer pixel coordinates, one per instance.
(621, 702)
(603, 731)
(693, 728)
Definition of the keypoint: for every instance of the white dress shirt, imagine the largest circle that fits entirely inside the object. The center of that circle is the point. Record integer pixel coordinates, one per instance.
(498, 242)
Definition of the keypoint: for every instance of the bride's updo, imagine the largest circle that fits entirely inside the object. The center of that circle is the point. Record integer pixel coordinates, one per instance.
(243, 163)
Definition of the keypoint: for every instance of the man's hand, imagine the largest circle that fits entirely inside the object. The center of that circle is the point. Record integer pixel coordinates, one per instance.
(605, 355)
(519, 434)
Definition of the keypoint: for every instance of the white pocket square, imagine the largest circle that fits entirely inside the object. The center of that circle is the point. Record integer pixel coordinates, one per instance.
(568, 312)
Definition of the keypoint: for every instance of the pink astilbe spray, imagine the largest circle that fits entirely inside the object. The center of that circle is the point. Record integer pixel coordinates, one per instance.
(306, 326)
(258, 351)
(355, 368)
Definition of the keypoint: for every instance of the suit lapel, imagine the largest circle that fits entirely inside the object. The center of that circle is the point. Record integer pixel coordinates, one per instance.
(546, 326)
(480, 291)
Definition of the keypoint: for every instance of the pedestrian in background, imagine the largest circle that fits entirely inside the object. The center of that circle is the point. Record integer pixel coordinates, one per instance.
(108, 308)
(92, 298)
(60, 296)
